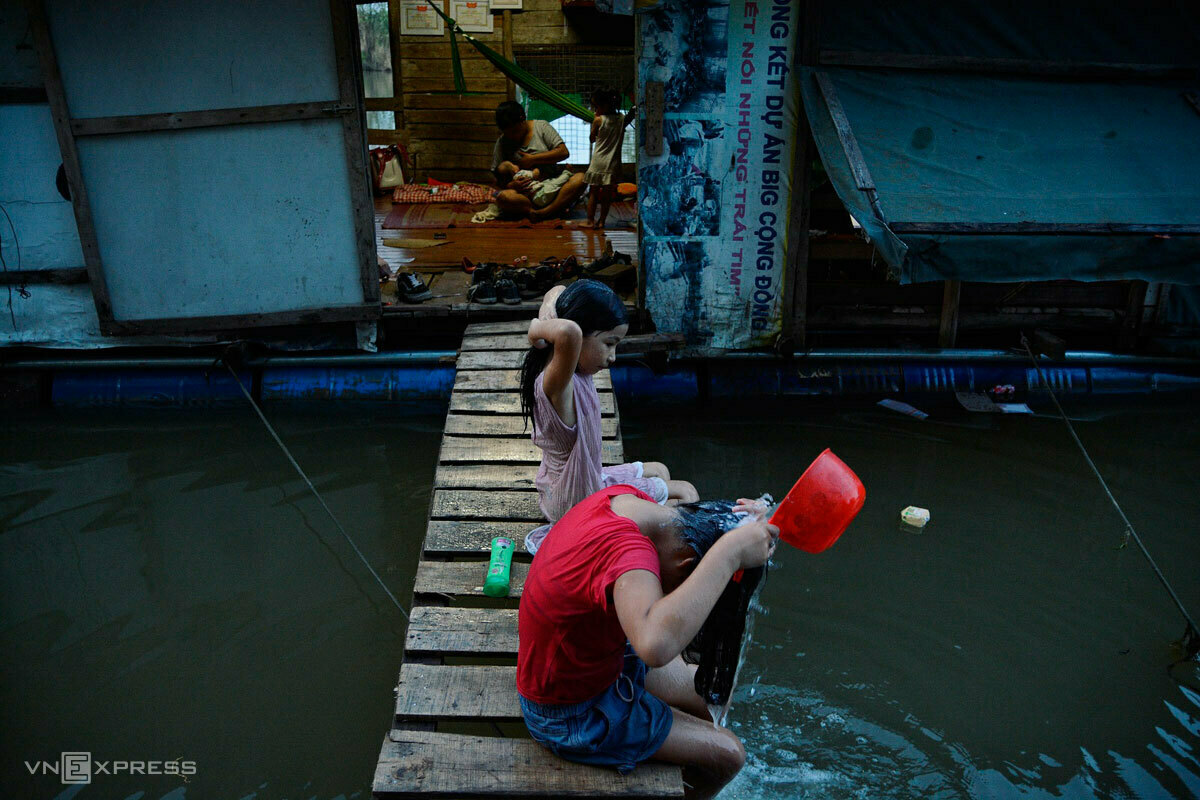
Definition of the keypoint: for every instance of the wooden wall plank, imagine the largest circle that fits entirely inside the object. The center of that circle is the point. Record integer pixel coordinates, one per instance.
(479, 102)
(463, 578)
(505, 341)
(427, 764)
(496, 359)
(490, 328)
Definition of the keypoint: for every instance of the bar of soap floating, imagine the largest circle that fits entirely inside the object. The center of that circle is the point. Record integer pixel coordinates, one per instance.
(914, 517)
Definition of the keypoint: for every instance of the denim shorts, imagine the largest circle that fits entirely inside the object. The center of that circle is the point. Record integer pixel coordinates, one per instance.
(620, 727)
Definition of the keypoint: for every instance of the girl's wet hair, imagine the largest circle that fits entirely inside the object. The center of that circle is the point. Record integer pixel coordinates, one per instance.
(717, 647)
(589, 304)
(699, 525)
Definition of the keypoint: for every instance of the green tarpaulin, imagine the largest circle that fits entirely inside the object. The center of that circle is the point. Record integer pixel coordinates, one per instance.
(1018, 153)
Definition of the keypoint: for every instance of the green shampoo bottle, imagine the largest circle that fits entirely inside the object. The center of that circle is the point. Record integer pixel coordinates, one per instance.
(496, 582)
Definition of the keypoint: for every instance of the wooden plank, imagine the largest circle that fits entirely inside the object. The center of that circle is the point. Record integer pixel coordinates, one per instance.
(448, 538)
(498, 359)
(854, 156)
(433, 691)
(462, 631)
(475, 504)
(948, 324)
(478, 425)
(484, 476)
(480, 119)
(464, 450)
(506, 341)
(506, 27)
(509, 380)
(422, 764)
(490, 328)
(209, 118)
(509, 403)
(346, 55)
(487, 102)
(463, 578)
(80, 204)
(440, 67)
(422, 83)
(440, 133)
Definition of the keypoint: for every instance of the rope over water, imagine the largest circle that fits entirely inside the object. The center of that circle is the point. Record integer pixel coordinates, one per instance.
(316, 494)
(1191, 636)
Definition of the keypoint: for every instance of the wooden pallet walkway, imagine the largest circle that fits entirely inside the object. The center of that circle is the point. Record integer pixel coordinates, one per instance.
(484, 488)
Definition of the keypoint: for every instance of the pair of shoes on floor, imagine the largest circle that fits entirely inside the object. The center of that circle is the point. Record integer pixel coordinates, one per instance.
(489, 285)
(607, 259)
(411, 288)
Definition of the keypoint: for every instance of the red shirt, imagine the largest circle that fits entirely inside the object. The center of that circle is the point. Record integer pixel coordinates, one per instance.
(571, 645)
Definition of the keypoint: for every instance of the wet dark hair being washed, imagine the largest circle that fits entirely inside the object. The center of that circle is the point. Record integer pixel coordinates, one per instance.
(718, 644)
(589, 304)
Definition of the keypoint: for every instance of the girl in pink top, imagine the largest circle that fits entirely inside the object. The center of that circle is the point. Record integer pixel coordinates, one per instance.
(574, 337)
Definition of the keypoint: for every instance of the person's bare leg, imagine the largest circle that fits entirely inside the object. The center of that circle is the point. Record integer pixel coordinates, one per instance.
(655, 469)
(513, 203)
(682, 492)
(606, 198)
(710, 756)
(675, 685)
(568, 194)
(591, 219)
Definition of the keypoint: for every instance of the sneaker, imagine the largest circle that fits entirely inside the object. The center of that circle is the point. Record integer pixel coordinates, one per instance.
(483, 292)
(570, 267)
(545, 277)
(481, 273)
(526, 284)
(411, 288)
(507, 290)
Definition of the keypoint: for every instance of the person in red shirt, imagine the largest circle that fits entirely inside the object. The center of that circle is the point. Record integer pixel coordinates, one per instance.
(616, 592)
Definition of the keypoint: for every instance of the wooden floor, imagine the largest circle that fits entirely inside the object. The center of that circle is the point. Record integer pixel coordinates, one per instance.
(484, 488)
(439, 265)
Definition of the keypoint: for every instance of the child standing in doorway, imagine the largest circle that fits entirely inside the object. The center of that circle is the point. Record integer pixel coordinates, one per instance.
(607, 136)
(574, 337)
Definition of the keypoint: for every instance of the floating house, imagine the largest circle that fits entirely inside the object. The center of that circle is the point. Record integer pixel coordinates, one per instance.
(809, 174)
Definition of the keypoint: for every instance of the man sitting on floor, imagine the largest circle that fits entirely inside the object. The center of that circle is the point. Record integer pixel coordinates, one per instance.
(527, 164)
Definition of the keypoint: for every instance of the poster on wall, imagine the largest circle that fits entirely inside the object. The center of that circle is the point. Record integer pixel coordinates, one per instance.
(473, 16)
(714, 205)
(419, 19)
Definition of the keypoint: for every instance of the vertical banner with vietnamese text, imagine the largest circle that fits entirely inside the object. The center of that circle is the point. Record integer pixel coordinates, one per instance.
(714, 206)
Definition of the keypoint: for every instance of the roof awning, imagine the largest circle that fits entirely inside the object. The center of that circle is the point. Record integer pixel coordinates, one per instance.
(990, 178)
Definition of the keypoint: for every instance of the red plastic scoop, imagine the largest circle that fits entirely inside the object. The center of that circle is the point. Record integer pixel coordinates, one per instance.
(821, 505)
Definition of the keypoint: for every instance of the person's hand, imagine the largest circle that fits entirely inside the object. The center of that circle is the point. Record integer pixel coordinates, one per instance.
(523, 159)
(756, 508)
(753, 544)
(521, 184)
(549, 300)
(535, 338)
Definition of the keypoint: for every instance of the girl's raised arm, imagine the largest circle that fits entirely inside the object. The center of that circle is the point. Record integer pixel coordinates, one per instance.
(567, 338)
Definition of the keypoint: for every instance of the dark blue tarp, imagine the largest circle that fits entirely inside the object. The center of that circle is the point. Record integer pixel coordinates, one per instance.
(972, 148)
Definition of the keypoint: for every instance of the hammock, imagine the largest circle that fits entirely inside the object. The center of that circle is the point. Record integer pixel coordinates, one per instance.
(526, 80)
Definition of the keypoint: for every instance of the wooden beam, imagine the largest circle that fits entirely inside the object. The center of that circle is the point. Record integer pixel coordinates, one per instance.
(463, 578)
(507, 26)
(354, 313)
(30, 277)
(1131, 322)
(491, 505)
(179, 120)
(344, 19)
(509, 403)
(845, 134)
(452, 537)
(485, 476)
(948, 326)
(394, 12)
(1015, 66)
(56, 97)
(795, 307)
